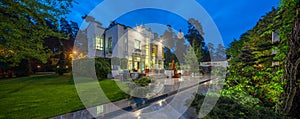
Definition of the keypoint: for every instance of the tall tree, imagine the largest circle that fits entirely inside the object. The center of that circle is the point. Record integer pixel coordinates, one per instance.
(220, 53)
(169, 38)
(246, 57)
(65, 27)
(251, 67)
(169, 41)
(24, 25)
(191, 60)
(180, 47)
(211, 48)
(236, 45)
(169, 57)
(195, 37)
(290, 34)
(75, 28)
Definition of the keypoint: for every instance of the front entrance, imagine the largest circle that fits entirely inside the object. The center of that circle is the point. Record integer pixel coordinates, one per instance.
(136, 65)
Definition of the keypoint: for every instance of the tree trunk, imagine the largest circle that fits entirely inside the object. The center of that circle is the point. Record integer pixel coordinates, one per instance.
(291, 103)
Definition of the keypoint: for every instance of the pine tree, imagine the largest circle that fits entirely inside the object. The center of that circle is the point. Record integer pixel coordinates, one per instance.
(220, 54)
(191, 60)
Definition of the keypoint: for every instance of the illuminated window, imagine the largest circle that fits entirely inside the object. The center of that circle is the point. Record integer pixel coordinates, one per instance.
(162, 52)
(99, 43)
(137, 44)
(126, 44)
(154, 50)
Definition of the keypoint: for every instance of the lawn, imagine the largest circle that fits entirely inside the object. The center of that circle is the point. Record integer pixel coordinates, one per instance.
(46, 96)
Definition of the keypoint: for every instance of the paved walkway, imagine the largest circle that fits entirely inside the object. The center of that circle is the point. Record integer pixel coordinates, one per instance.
(119, 108)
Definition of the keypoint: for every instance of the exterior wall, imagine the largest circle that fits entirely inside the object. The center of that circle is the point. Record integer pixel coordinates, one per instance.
(94, 30)
(124, 45)
(111, 33)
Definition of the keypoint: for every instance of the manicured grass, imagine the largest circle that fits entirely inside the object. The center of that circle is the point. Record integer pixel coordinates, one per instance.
(46, 96)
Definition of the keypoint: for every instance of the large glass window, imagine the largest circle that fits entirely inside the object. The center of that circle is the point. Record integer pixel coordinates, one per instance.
(137, 44)
(109, 44)
(162, 52)
(99, 43)
(154, 50)
(126, 45)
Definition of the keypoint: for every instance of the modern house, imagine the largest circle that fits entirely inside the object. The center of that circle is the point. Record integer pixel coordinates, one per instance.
(129, 48)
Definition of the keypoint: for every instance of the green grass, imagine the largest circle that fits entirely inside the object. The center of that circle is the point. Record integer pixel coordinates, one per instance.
(46, 96)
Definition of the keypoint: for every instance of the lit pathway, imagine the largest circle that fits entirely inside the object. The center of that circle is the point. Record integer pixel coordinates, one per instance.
(169, 106)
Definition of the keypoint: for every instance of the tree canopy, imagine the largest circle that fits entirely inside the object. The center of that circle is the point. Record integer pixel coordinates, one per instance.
(24, 26)
(268, 70)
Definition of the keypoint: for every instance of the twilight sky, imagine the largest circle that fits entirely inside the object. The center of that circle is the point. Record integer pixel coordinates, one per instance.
(232, 17)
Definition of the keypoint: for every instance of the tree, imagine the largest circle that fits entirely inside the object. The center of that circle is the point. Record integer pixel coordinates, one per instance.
(180, 48)
(80, 45)
(69, 29)
(290, 35)
(75, 28)
(251, 69)
(246, 57)
(191, 60)
(211, 49)
(234, 48)
(25, 25)
(195, 38)
(169, 57)
(276, 86)
(220, 53)
(65, 27)
(169, 38)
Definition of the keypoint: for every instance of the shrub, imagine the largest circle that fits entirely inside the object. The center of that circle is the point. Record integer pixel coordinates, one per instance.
(23, 69)
(143, 81)
(228, 108)
(82, 67)
(103, 67)
(61, 71)
(140, 88)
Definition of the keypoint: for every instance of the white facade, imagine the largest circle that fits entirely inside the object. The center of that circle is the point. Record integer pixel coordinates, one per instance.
(94, 33)
(136, 45)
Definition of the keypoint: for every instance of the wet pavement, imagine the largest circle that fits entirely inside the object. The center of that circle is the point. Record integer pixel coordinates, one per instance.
(168, 101)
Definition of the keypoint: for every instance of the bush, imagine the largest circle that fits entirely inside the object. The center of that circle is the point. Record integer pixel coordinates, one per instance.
(140, 88)
(103, 67)
(143, 82)
(82, 67)
(23, 69)
(228, 108)
(61, 71)
(219, 71)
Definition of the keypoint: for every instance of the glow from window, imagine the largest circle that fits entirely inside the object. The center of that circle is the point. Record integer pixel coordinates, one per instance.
(99, 43)
(137, 44)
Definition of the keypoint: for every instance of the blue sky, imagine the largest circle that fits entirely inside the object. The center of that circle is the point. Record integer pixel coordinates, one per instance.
(232, 17)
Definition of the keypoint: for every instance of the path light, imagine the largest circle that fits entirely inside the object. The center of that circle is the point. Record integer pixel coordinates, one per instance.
(160, 103)
(74, 52)
(138, 114)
